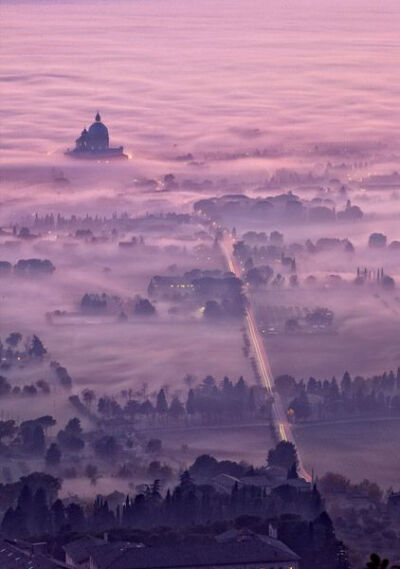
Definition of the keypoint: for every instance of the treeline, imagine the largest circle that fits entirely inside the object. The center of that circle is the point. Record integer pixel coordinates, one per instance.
(138, 522)
(27, 267)
(40, 387)
(378, 395)
(29, 440)
(375, 525)
(102, 303)
(286, 207)
(121, 221)
(33, 512)
(206, 403)
(17, 351)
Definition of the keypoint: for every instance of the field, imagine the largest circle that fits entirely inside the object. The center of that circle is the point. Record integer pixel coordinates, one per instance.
(357, 449)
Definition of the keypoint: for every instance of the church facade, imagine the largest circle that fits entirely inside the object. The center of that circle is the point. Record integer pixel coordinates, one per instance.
(95, 143)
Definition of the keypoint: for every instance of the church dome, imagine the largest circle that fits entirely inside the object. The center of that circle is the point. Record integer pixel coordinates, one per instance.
(97, 135)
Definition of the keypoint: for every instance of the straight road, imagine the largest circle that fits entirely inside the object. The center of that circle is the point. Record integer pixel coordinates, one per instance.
(283, 427)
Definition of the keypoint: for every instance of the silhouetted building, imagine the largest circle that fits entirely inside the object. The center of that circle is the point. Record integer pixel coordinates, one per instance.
(77, 553)
(254, 551)
(95, 143)
(23, 556)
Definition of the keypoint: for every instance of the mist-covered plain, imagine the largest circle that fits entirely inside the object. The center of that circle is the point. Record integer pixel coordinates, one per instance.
(269, 126)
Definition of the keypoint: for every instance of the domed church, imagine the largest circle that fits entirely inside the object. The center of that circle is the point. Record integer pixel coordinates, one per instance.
(95, 143)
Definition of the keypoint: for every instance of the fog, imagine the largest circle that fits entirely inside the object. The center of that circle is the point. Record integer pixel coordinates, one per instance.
(256, 98)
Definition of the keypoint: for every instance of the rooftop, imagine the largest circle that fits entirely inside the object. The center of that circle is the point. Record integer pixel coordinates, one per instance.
(196, 556)
(80, 549)
(11, 557)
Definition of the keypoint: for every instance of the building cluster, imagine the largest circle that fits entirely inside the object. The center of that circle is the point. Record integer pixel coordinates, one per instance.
(233, 549)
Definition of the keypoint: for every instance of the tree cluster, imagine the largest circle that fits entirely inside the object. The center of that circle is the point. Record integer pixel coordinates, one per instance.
(378, 395)
(35, 511)
(206, 403)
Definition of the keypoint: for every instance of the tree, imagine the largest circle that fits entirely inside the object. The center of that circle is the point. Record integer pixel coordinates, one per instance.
(29, 390)
(333, 483)
(158, 470)
(106, 447)
(255, 277)
(283, 455)
(240, 388)
(24, 502)
(7, 429)
(208, 385)
(251, 401)
(88, 397)
(5, 387)
(292, 472)
(91, 471)
(73, 427)
(186, 481)
(48, 483)
(212, 310)
(37, 349)
(161, 404)
(62, 375)
(301, 406)
(146, 408)
(346, 383)
(276, 237)
(46, 421)
(53, 455)
(370, 489)
(9, 525)
(70, 441)
(205, 466)
(376, 562)
(14, 339)
(57, 516)
(38, 440)
(191, 402)
(75, 517)
(285, 385)
(377, 240)
(132, 407)
(43, 386)
(40, 512)
(143, 307)
(176, 409)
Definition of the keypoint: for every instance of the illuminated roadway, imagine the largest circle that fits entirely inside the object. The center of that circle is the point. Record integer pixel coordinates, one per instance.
(279, 418)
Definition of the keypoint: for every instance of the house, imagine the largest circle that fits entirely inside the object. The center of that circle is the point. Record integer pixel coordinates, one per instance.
(260, 481)
(225, 482)
(170, 287)
(77, 553)
(270, 480)
(251, 553)
(12, 556)
(300, 484)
